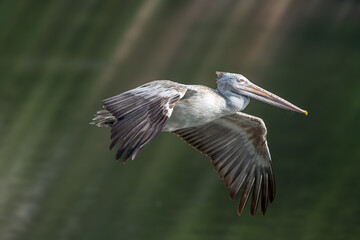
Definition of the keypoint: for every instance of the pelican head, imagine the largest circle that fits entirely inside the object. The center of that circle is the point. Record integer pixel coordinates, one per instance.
(239, 87)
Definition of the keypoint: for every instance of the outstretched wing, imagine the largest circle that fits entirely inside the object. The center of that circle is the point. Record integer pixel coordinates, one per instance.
(141, 114)
(239, 153)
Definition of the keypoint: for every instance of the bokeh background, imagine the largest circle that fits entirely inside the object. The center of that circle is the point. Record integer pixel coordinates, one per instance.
(59, 59)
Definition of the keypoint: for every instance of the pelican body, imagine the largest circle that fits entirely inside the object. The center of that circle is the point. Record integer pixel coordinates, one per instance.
(209, 120)
(198, 106)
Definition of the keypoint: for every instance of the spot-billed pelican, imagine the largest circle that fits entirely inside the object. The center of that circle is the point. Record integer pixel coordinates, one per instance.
(209, 120)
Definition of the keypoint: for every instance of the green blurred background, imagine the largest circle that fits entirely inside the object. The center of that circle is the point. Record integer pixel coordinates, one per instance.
(59, 59)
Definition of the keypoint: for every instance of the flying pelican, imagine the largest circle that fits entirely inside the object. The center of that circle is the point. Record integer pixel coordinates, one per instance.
(209, 120)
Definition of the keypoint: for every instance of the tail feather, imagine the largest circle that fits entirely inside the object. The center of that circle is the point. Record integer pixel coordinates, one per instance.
(103, 118)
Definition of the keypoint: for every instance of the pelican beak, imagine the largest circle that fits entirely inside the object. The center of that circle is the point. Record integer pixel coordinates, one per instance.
(253, 91)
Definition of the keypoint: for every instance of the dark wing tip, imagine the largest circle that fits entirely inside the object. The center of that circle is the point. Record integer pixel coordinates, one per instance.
(259, 183)
(272, 188)
(248, 185)
(256, 192)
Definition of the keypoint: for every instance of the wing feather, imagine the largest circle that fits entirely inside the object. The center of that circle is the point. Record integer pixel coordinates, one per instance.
(141, 114)
(256, 191)
(264, 192)
(248, 184)
(239, 154)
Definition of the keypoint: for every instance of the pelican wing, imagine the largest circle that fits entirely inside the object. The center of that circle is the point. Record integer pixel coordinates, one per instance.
(141, 114)
(239, 153)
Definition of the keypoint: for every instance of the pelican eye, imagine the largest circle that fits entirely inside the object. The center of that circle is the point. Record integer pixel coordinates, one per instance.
(241, 81)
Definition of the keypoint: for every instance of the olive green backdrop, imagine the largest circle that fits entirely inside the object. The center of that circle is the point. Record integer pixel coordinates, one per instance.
(59, 59)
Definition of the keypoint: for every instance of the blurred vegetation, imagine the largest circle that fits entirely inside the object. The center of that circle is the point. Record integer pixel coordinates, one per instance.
(59, 59)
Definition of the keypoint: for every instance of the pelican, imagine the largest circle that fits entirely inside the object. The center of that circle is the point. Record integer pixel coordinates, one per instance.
(209, 120)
